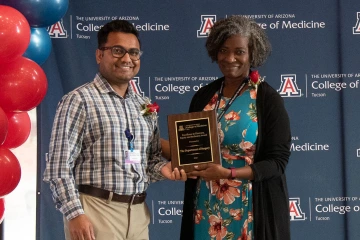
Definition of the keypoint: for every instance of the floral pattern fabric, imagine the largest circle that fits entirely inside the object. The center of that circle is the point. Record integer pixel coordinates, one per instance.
(224, 207)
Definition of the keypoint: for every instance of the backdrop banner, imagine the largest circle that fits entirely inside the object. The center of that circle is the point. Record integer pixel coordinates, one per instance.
(314, 66)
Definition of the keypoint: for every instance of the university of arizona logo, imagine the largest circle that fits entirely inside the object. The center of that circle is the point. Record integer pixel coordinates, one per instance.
(207, 21)
(57, 30)
(288, 86)
(135, 84)
(295, 210)
(356, 29)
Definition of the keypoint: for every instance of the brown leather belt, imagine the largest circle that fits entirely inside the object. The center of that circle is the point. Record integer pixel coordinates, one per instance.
(104, 194)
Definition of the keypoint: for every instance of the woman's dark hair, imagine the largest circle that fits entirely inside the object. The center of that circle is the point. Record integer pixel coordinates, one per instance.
(115, 26)
(259, 45)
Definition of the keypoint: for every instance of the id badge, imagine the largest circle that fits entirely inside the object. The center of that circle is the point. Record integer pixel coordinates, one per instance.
(132, 156)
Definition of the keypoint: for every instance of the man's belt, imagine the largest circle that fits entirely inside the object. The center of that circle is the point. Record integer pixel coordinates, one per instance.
(104, 194)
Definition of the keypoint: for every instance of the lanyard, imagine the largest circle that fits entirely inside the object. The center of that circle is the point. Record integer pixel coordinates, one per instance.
(232, 99)
(128, 134)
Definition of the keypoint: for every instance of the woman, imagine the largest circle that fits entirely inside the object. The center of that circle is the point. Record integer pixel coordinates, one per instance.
(246, 197)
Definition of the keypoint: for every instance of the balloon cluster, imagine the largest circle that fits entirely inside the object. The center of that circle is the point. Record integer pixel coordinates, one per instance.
(25, 45)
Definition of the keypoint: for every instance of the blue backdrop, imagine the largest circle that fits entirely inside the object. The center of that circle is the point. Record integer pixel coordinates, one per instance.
(314, 66)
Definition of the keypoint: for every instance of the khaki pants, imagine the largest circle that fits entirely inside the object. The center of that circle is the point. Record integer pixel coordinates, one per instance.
(111, 220)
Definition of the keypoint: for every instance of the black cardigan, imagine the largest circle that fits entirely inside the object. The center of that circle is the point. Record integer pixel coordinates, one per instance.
(270, 194)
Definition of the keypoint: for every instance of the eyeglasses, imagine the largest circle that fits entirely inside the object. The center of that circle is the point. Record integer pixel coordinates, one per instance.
(119, 52)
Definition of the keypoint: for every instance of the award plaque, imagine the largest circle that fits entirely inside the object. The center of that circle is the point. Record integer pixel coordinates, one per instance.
(194, 139)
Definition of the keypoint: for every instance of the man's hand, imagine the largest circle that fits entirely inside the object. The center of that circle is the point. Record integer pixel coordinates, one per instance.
(167, 172)
(165, 148)
(80, 228)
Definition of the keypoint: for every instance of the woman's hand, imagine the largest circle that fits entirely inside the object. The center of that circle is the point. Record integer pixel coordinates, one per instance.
(210, 171)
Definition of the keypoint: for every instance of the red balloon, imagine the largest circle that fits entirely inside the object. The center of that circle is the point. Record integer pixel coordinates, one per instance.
(10, 171)
(2, 209)
(18, 130)
(4, 123)
(23, 85)
(14, 34)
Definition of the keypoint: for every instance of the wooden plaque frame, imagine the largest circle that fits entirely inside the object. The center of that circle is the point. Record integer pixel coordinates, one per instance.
(194, 139)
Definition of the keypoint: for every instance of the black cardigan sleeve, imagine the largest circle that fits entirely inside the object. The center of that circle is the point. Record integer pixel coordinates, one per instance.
(274, 135)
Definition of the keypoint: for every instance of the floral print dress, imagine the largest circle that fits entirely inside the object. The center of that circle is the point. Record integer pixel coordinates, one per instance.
(224, 207)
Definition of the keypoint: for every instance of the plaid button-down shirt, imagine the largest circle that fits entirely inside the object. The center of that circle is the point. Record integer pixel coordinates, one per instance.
(88, 142)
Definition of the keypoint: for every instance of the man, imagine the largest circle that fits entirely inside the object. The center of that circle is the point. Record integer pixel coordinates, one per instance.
(103, 151)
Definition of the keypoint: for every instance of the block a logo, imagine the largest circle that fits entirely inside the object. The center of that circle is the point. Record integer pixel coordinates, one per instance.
(207, 21)
(57, 30)
(295, 210)
(135, 84)
(356, 29)
(288, 86)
